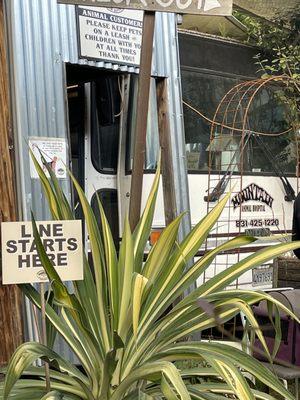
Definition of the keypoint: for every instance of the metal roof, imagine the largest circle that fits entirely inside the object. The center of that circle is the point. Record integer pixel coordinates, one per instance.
(228, 27)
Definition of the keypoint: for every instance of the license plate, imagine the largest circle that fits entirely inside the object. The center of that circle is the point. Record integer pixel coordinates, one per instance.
(258, 232)
(262, 276)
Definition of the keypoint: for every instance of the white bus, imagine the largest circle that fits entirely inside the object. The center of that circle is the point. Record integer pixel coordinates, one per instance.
(262, 173)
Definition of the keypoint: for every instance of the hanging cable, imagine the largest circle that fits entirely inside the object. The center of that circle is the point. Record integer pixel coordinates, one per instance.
(231, 127)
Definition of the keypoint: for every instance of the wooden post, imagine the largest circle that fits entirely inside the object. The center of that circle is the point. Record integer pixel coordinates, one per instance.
(166, 153)
(10, 297)
(141, 118)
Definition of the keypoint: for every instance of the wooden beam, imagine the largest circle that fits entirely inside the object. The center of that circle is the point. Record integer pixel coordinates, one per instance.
(166, 153)
(198, 7)
(10, 297)
(141, 119)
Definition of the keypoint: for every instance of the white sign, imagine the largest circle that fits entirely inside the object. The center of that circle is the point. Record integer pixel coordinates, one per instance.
(202, 7)
(112, 35)
(62, 241)
(54, 151)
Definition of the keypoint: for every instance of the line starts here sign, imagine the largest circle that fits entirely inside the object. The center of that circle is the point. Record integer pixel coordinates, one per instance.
(62, 241)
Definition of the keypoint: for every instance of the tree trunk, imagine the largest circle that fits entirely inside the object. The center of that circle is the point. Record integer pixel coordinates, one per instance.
(10, 297)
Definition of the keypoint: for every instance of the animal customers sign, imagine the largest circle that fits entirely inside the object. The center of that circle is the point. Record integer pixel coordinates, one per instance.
(111, 35)
(203, 7)
(62, 241)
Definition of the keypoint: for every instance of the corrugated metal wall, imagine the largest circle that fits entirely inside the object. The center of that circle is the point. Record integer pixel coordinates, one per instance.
(168, 59)
(42, 37)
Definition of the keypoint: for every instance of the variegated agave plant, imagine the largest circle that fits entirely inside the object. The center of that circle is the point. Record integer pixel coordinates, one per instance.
(120, 325)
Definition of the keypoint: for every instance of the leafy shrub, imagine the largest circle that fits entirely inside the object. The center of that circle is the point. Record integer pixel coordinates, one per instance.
(121, 325)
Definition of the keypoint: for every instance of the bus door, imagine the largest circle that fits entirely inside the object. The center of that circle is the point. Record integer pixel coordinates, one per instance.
(102, 114)
(104, 121)
(151, 152)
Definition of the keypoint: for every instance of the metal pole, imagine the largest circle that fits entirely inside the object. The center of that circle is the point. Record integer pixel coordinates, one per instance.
(141, 119)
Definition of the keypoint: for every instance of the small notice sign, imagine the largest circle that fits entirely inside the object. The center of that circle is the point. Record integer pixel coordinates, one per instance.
(62, 241)
(54, 151)
(112, 35)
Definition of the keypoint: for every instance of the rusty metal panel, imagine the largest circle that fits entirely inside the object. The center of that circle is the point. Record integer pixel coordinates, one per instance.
(203, 7)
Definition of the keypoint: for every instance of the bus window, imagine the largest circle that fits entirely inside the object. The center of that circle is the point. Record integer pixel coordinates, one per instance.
(76, 126)
(152, 139)
(268, 115)
(105, 123)
(204, 91)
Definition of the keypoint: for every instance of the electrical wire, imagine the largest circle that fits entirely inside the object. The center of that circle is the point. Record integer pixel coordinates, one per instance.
(231, 127)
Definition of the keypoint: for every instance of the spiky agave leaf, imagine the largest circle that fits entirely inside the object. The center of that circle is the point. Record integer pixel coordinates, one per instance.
(120, 325)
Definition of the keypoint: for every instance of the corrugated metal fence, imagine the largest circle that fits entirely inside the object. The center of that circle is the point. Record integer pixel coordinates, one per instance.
(42, 37)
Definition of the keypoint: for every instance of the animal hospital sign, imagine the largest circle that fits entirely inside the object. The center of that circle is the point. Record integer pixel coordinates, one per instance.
(203, 7)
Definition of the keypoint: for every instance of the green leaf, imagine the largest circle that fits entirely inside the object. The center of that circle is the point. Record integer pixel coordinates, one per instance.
(125, 268)
(25, 355)
(48, 190)
(199, 268)
(110, 364)
(152, 372)
(175, 266)
(231, 374)
(99, 269)
(35, 389)
(162, 250)
(139, 395)
(237, 357)
(60, 197)
(50, 330)
(54, 395)
(139, 284)
(272, 309)
(62, 328)
(85, 290)
(167, 390)
(59, 289)
(221, 280)
(111, 265)
(142, 231)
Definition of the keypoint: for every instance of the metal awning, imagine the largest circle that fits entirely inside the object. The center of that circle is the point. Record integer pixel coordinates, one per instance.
(231, 27)
(216, 25)
(271, 9)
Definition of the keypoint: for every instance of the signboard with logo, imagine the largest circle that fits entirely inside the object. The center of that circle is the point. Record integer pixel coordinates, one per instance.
(54, 151)
(262, 275)
(203, 7)
(256, 206)
(252, 193)
(62, 241)
(112, 35)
